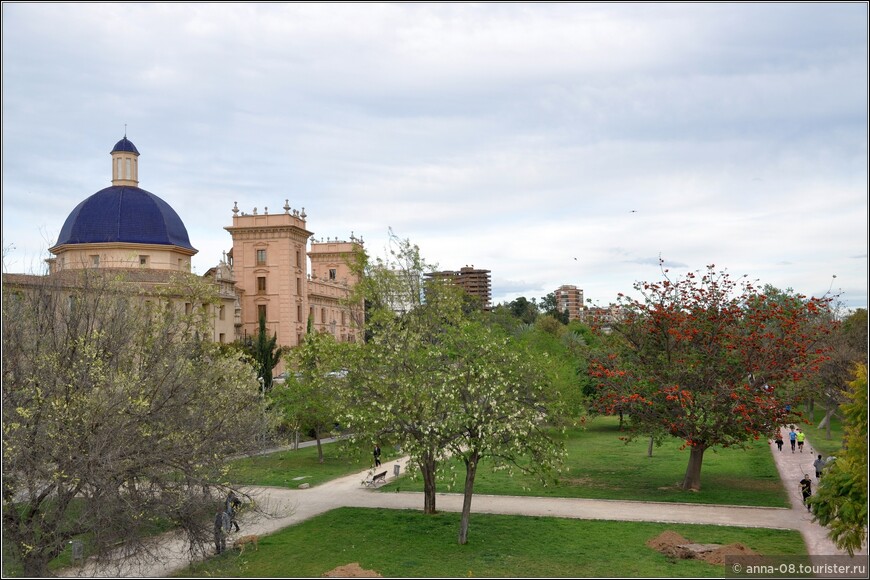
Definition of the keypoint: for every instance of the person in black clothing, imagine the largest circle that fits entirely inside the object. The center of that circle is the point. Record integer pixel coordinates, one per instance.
(377, 454)
(806, 489)
(232, 506)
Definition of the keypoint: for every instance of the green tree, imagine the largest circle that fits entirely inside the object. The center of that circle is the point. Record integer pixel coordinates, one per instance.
(309, 397)
(115, 414)
(393, 382)
(702, 358)
(524, 310)
(550, 306)
(498, 408)
(266, 354)
(841, 500)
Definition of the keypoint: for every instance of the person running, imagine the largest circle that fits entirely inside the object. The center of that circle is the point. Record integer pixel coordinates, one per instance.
(800, 440)
(792, 438)
(778, 439)
(806, 489)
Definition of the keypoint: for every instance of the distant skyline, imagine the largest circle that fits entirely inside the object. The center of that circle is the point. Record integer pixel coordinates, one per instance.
(550, 143)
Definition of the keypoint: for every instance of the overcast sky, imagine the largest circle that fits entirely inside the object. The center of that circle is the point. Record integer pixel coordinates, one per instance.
(549, 143)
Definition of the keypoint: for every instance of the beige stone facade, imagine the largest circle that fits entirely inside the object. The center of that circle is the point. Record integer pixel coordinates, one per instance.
(266, 271)
(269, 262)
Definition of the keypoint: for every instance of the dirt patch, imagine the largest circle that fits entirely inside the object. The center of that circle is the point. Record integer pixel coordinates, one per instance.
(353, 570)
(718, 556)
(667, 540)
(676, 546)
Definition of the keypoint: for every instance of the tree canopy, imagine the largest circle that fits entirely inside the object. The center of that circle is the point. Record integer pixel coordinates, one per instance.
(115, 415)
(841, 500)
(705, 358)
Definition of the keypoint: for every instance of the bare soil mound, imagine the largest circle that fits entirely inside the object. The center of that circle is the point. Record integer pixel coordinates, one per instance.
(353, 570)
(674, 545)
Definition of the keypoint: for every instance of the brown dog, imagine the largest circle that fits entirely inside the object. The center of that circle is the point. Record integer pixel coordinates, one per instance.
(243, 541)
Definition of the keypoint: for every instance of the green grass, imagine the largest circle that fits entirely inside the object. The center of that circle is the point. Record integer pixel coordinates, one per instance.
(602, 466)
(409, 544)
(292, 468)
(818, 437)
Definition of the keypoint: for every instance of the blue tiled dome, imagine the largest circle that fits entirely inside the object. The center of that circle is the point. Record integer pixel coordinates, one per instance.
(125, 145)
(124, 214)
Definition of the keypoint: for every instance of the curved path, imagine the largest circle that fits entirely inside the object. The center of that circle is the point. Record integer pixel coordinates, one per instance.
(291, 506)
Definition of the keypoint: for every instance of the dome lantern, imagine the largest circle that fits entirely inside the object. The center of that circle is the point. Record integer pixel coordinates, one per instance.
(125, 163)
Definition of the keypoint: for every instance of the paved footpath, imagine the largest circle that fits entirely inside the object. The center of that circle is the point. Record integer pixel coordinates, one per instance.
(291, 506)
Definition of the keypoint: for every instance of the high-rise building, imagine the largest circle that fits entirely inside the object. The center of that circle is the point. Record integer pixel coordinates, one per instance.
(570, 299)
(474, 281)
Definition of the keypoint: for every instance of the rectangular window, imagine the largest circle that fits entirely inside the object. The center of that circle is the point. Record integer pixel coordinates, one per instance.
(261, 284)
(129, 172)
(118, 173)
(298, 260)
(299, 286)
(261, 311)
(332, 273)
(261, 257)
(298, 313)
(222, 313)
(223, 338)
(95, 261)
(143, 260)
(323, 315)
(188, 308)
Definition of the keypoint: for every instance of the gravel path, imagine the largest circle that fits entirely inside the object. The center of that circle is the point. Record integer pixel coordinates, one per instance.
(291, 506)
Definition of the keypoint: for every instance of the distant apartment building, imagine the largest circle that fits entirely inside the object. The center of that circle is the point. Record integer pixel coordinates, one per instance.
(474, 281)
(570, 299)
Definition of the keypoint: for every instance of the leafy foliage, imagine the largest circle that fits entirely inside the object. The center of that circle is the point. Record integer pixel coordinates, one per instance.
(704, 357)
(115, 414)
(841, 500)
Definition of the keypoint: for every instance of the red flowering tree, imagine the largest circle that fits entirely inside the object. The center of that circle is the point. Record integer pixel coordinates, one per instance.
(704, 359)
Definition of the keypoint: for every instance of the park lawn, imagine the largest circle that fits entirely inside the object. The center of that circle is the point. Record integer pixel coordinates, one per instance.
(818, 437)
(410, 544)
(292, 468)
(602, 466)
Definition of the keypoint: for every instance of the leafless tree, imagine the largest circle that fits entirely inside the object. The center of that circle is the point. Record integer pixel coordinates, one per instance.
(117, 418)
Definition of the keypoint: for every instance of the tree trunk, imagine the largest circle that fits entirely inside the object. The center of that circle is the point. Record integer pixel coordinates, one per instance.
(427, 467)
(296, 440)
(319, 446)
(650, 447)
(470, 472)
(620, 419)
(825, 423)
(692, 481)
(812, 410)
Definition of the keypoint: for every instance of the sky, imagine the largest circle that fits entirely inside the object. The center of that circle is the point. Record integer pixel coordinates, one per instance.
(550, 143)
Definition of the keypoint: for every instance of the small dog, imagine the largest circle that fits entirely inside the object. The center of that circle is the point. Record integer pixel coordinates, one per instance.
(243, 541)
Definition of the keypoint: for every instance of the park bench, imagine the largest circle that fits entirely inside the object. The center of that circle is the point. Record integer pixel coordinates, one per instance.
(376, 479)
